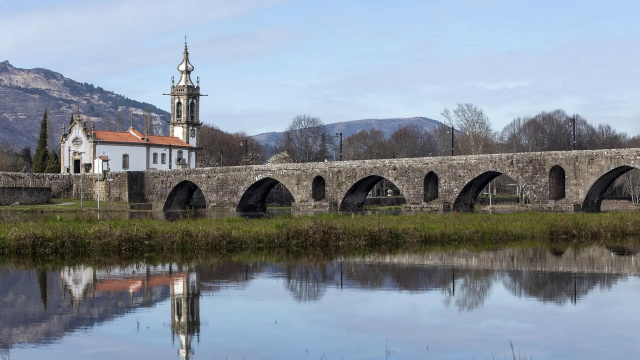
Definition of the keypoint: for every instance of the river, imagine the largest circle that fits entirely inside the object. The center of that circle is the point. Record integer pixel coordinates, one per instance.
(528, 303)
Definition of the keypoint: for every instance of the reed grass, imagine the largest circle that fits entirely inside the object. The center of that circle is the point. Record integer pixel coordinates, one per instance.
(325, 235)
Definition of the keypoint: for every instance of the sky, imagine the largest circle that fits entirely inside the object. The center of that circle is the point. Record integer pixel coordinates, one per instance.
(262, 62)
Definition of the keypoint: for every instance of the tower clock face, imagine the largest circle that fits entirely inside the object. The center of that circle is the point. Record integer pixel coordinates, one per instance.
(76, 142)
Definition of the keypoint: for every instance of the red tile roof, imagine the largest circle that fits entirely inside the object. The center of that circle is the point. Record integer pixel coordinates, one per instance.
(136, 137)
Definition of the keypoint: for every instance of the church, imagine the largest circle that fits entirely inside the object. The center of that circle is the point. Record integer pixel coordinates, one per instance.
(87, 150)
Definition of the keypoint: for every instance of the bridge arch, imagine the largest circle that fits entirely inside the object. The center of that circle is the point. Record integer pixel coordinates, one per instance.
(557, 179)
(353, 200)
(254, 199)
(185, 195)
(593, 200)
(318, 188)
(430, 187)
(469, 194)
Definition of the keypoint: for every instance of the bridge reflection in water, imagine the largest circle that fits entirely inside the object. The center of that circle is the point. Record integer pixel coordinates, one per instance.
(41, 306)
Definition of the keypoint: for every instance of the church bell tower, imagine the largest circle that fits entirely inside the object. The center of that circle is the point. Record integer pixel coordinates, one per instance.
(185, 103)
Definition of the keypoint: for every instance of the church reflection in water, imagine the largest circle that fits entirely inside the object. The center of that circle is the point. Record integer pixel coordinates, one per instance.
(41, 305)
(143, 286)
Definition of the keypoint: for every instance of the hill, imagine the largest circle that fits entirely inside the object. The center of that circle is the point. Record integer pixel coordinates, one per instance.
(26, 93)
(387, 126)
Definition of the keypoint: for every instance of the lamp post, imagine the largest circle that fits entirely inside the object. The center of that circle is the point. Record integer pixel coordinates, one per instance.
(104, 167)
(246, 150)
(221, 152)
(572, 123)
(340, 135)
(452, 131)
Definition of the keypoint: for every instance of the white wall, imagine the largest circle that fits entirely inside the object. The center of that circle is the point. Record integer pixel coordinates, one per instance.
(137, 156)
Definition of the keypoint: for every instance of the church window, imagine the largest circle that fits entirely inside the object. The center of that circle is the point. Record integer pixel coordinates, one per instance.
(163, 158)
(191, 106)
(178, 110)
(155, 157)
(179, 157)
(125, 161)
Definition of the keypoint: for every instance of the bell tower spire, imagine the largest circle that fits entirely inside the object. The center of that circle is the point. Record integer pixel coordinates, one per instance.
(185, 103)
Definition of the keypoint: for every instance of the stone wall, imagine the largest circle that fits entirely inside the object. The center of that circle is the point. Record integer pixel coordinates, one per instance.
(114, 185)
(457, 179)
(61, 184)
(24, 195)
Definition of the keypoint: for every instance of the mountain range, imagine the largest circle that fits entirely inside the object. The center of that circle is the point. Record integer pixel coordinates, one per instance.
(26, 93)
(347, 128)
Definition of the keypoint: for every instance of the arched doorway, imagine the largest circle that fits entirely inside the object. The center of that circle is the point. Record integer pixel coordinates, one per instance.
(556, 183)
(186, 195)
(318, 188)
(430, 187)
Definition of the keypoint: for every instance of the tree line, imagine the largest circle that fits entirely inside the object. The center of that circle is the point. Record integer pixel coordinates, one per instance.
(467, 131)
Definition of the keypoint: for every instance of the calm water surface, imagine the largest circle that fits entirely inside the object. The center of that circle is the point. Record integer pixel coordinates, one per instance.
(558, 304)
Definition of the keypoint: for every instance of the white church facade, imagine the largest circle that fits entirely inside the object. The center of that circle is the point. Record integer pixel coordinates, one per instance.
(84, 150)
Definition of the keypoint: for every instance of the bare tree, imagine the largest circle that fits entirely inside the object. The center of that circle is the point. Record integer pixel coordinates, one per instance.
(411, 141)
(631, 184)
(475, 125)
(220, 148)
(366, 144)
(512, 136)
(443, 140)
(305, 139)
(608, 138)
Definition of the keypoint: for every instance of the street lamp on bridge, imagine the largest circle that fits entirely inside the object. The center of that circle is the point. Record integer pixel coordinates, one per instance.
(340, 135)
(246, 150)
(572, 123)
(452, 131)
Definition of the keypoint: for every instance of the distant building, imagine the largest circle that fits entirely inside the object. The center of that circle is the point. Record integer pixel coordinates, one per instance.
(84, 150)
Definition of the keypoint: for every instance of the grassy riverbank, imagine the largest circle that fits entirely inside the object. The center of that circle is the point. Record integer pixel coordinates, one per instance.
(325, 235)
(65, 205)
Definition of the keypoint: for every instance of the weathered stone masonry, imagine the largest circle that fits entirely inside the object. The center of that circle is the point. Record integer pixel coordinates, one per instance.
(558, 181)
(554, 181)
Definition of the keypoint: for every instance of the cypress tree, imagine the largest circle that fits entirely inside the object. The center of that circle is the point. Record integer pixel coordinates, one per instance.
(40, 157)
(53, 163)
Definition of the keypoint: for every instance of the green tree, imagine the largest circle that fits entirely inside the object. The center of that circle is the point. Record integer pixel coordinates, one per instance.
(40, 158)
(53, 163)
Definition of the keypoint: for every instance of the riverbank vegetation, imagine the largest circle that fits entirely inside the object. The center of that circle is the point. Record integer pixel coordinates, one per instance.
(325, 235)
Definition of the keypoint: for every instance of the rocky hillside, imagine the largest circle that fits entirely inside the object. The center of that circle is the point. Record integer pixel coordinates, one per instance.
(26, 93)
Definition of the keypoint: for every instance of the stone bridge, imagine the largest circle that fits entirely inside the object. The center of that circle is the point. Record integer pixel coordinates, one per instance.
(550, 181)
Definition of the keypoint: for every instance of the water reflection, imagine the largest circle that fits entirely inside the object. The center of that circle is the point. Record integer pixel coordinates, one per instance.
(39, 306)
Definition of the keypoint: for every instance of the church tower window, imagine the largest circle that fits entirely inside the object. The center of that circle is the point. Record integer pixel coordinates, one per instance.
(178, 110)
